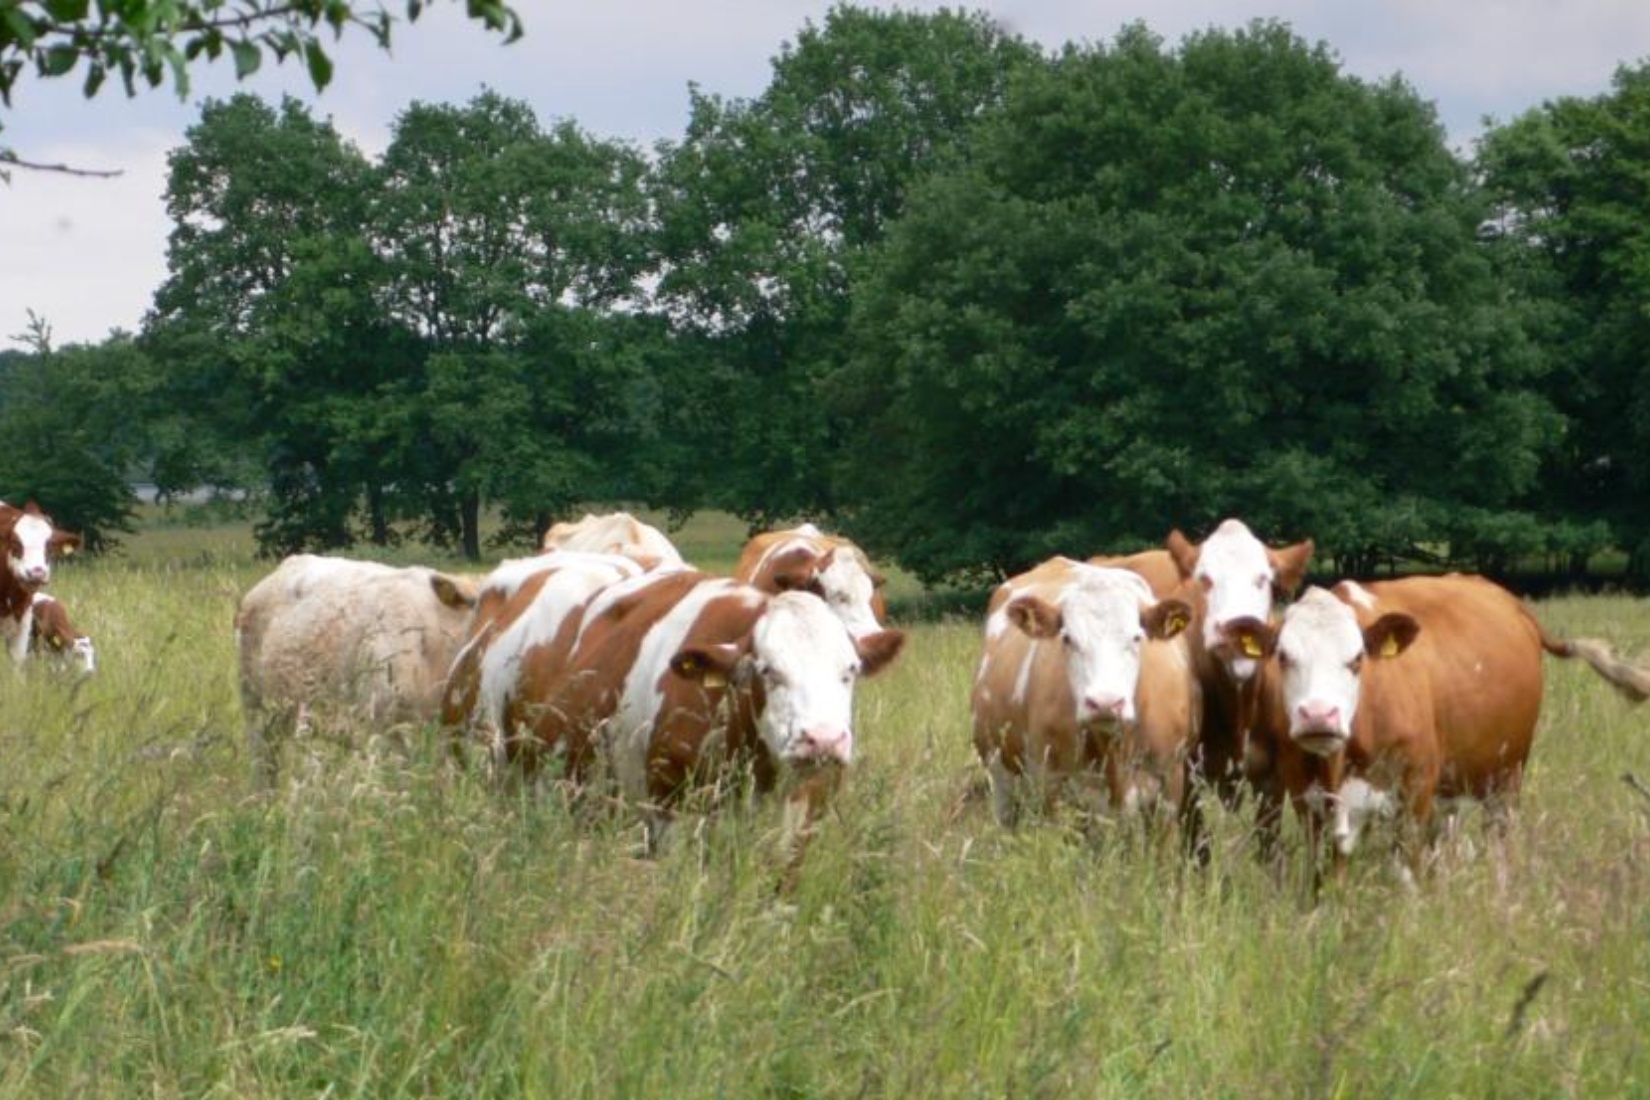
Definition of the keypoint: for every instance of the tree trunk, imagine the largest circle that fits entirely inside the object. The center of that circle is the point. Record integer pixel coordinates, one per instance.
(469, 517)
(378, 526)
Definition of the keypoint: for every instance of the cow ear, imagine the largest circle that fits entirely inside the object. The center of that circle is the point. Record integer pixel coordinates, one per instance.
(1183, 552)
(711, 665)
(796, 570)
(65, 542)
(1035, 615)
(1391, 634)
(1289, 565)
(877, 651)
(1250, 636)
(454, 592)
(1166, 618)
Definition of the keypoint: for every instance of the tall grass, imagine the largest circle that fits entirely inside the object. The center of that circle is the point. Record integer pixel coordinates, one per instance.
(384, 927)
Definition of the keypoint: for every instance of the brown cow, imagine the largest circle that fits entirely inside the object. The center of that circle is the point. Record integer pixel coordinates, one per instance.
(1233, 579)
(31, 542)
(55, 636)
(674, 679)
(1081, 689)
(524, 604)
(806, 559)
(1394, 695)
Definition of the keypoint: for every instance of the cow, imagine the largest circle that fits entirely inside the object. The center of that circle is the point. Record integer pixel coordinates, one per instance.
(616, 533)
(806, 559)
(1393, 697)
(675, 681)
(328, 644)
(1232, 579)
(54, 635)
(523, 605)
(1083, 687)
(31, 542)
(1157, 566)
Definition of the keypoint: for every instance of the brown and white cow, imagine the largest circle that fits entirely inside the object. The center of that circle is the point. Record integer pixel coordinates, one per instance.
(1233, 580)
(805, 559)
(334, 644)
(524, 605)
(1157, 566)
(1391, 697)
(674, 680)
(616, 533)
(1083, 684)
(31, 543)
(55, 637)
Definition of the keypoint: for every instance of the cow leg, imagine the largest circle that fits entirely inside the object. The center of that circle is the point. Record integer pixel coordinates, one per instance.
(1004, 791)
(265, 731)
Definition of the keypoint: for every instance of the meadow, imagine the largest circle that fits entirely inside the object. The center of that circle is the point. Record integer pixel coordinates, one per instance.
(384, 926)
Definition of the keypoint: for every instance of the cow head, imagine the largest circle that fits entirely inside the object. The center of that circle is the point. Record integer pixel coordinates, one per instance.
(1321, 651)
(840, 577)
(31, 543)
(800, 664)
(56, 636)
(1238, 575)
(1102, 620)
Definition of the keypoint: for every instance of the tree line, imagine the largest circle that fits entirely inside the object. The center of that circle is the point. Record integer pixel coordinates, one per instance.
(972, 302)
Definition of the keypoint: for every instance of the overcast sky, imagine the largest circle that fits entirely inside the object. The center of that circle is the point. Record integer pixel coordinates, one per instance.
(87, 255)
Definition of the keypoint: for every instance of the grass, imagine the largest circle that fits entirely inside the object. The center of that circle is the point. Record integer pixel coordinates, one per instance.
(387, 928)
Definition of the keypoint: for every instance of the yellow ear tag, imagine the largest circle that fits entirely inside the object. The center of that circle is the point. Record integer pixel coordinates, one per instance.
(715, 680)
(1177, 622)
(1389, 648)
(1250, 645)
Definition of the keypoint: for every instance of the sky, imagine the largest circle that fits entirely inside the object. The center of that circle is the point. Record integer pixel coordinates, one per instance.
(86, 255)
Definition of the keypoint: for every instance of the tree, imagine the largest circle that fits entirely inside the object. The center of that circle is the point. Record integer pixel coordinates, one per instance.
(148, 41)
(767, 208)
(1173, 286)
(500, 241)
(1571, 180)
(269, 322)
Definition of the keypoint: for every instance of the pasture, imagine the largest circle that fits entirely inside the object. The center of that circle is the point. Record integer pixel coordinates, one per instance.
(386, 927)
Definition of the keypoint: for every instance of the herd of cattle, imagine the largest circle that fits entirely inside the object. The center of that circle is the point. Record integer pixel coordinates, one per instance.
(1126, 685)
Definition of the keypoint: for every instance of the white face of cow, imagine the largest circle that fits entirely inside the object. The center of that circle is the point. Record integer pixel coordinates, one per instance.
(849, 589)
(1236, 575)
(26, 553)
(1321, 656)
(1100, 623)
(807, 663)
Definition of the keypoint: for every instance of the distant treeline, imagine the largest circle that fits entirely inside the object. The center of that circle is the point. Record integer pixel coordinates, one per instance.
(968, 301)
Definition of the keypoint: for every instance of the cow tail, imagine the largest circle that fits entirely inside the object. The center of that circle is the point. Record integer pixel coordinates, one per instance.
(1632, 681)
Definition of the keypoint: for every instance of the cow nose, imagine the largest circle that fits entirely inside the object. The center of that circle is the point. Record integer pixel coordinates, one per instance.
(825, 743)
(37, 574)
(1104, 705)
(1319, 716)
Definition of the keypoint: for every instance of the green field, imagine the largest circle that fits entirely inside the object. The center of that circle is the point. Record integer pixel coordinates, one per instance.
(386, 928)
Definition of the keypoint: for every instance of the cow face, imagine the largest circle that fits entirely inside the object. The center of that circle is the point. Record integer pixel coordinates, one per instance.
(1102, 621)
(840, 577)
(1238, 575)
(31, 542)
(1321, 652)
(805, 663)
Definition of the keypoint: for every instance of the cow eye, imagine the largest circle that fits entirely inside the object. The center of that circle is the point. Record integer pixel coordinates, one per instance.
(1262, 581)
(1138, 638)
(1356, 665)
(1207, 582)
(1067, 640)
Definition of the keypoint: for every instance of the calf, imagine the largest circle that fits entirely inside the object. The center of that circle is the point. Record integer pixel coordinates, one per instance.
(1363, 731)
(1079, 685)
(675, 680)
(806, 559)
(54, 636)
(335, 644)
(616, 533)
(31, 543)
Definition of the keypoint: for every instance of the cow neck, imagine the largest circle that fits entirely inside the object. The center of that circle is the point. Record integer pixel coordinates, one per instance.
(1231, 709)
(14, 598)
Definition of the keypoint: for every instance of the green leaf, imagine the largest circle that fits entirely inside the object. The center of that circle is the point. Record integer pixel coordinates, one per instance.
(58, 60)
(247, 58)
(320, 65)
(94, 79)
(68, 11)
(18, 27)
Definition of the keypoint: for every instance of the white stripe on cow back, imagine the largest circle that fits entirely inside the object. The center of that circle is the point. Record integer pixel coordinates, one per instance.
(628, 734)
